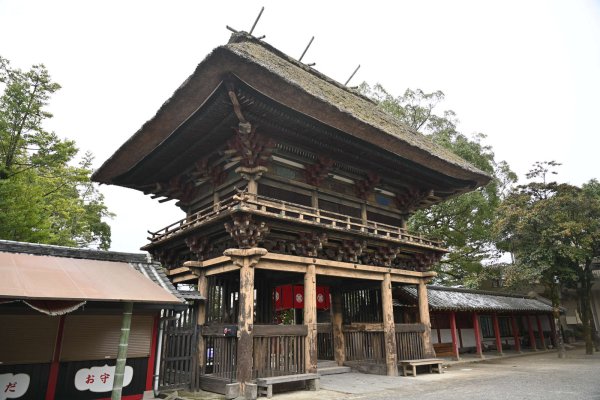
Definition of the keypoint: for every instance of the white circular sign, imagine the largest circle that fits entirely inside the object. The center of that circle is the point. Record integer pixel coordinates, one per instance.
(299, 298)
(320, 298)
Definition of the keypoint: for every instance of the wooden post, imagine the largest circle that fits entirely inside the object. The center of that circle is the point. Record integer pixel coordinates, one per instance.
(541, 332)
(497, 334)
(337, 319)
(310, 319)
(453, 333)
(516, 335)
(201, 318)
(477, 333)
(424, 319)
(531, 334)
(246, 259)
(553, 331)
(389, 330)
(122, 353)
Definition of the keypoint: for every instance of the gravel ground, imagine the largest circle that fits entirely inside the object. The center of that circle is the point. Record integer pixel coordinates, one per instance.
(532, 377)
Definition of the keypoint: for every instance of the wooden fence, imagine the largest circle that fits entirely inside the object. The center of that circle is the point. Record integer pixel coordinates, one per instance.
(178, 364)
(324, 342)
(279, 350)
(364, 343)
(409, 341)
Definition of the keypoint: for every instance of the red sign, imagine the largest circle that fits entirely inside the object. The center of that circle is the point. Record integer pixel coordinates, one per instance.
(292, 296)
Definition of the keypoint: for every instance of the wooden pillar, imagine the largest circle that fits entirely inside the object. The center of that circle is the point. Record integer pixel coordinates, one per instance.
(477, 333)
(531, 334)
(310, 319)
(453, 333)
(553, 331)
(515, 329)
(246, 259)
(389, 330)
(201, 317)
(541, 332)
(497, 334)
(363, 213)
(424, 319)
(337, 319)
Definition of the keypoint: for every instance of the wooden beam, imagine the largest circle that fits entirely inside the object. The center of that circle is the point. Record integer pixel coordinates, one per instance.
(221, 269)
(185, 278)
(177, 271)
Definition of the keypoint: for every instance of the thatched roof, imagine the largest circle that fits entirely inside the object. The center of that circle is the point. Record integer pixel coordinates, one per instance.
(297, 87)
(455, 299)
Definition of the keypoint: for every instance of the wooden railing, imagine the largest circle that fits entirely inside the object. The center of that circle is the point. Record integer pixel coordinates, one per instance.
(324, 342)
(409, 341)
(278, 350)
(364, 345)
(285, 210)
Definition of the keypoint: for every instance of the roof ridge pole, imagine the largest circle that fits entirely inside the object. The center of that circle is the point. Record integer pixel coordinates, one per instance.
(306, 49)
(256, 22)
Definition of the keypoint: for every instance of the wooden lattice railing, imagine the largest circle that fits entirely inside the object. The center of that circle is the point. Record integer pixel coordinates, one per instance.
(284, 210)
(409, 341)
(364, 345)
(278, 350)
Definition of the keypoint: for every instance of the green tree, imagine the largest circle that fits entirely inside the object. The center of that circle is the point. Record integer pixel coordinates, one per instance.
(45, 195)
(554, 232)
(464, 222)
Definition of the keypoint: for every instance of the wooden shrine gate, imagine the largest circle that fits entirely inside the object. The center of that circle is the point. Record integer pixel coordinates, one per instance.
(178, 350)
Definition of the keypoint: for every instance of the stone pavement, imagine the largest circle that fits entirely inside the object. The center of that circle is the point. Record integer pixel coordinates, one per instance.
(532, 376)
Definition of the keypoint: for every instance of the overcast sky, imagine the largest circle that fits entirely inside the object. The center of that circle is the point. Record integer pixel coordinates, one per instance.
(525, 73)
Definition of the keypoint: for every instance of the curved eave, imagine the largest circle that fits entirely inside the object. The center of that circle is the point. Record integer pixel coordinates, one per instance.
(296, 88)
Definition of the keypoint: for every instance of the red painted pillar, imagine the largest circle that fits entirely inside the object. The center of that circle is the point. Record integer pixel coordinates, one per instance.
(453, 332)
(515, 329)
(477, 333)
(531, 334)
(541, 332)
(497, 334)
(54, 367)
(553, 331)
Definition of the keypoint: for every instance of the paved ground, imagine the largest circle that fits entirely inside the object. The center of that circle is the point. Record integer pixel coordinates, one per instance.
(537, 376)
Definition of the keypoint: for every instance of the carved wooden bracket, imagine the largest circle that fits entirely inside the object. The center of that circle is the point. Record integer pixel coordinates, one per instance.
(386, 255)
(213, 173)
(410, 201)
(315, 174)
(365, 187)
(245, 257)
(246, 232)
(167, 258)
(309, 244)
(249, 148)
(426, 260)
(199, 246)
(351, 250)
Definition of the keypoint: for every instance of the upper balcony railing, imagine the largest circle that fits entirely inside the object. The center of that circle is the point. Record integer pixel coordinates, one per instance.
(273, 208)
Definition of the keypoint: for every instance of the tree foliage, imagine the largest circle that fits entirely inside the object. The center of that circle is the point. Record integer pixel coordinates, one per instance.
(463, 222)
(45, 195)
(554, 231)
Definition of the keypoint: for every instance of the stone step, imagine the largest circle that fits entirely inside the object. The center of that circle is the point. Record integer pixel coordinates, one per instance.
(333, 370)
(326, 363)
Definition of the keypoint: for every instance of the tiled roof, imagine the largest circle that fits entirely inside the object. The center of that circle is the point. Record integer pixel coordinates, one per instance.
(447, 299)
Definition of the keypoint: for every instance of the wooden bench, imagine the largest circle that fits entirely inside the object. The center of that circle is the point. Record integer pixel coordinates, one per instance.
(265, 385)
(435, 364)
